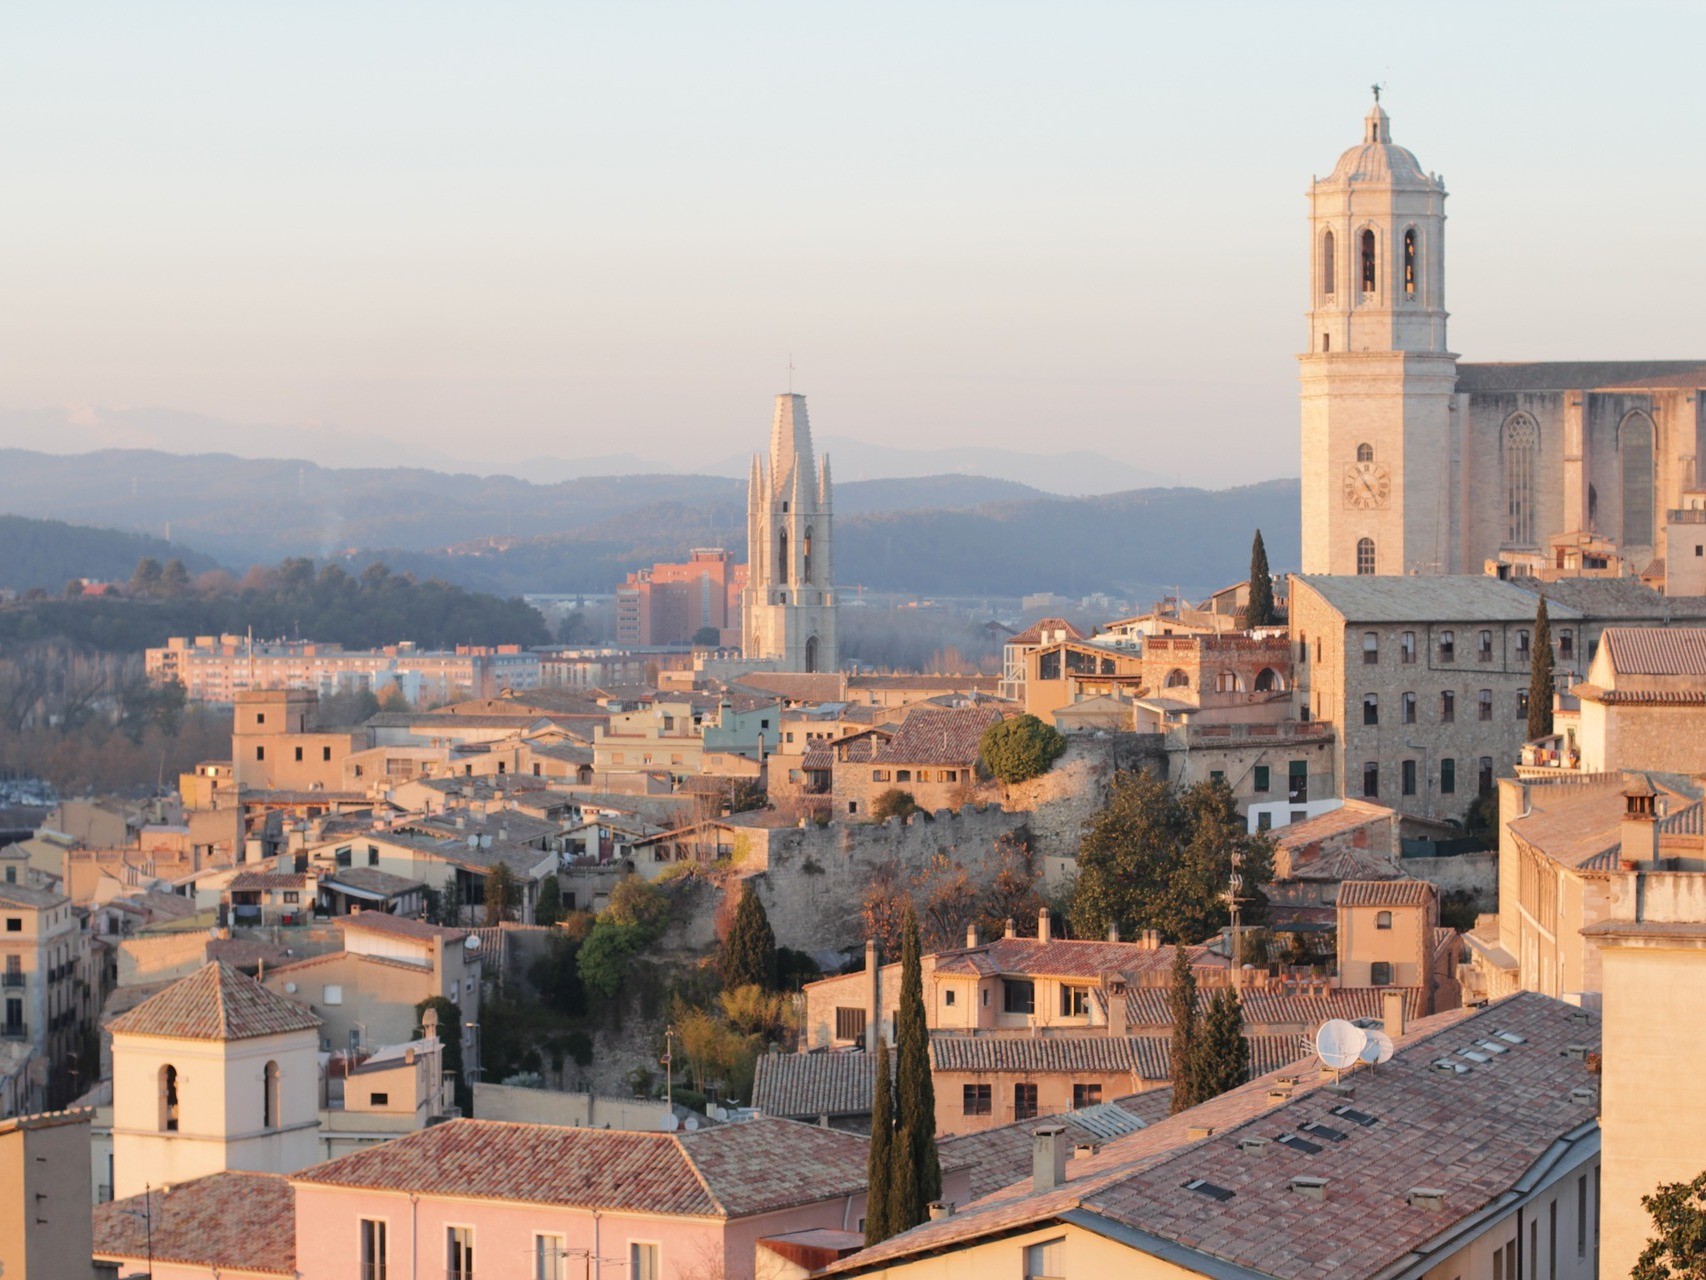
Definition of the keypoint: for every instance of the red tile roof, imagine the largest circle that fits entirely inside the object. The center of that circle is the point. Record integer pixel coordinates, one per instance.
(225, 1221)
(1067, 958)
(251, 880)
(1033, 634)
(729, 1171)
(399, 926)
(939, 735)
(1656, 651)
(216, 1002)
(1386, 893)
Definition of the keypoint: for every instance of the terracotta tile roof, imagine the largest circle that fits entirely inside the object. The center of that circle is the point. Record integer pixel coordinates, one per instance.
(1441, 598)
(1001, 1156)
(1690, 821)
(805, 1086)
(214, 1003)
(266, 880)
(1656, 651)
(1473, 1135)
(1145, 1057)
(728, 1171)
(937, 735)
(225, 1221)
(1350, 815)
(796, 686)
(1386, 893)
(1579, 824)
(373, 880)
(1033, 634)
(1267, 1008)
(399, 926)
(29, 899)
(1067, 958)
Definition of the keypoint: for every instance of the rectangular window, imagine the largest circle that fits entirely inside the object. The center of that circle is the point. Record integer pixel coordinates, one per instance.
(1371, 708)
(326, 755)
(299, 755)
(1447, 776)
(1018, 995)
(378, 1099)
(849, 1024)
(1447, 706)
(1046, 1260)
(333, 995)
(1407, 708)
(903, 775)
(1552, 1240)
(948, 997)
(292, 897)
(1566, 644)
(459, 1253)
(1024, 1101)
(548, 1260)
(644, 1262)
(1522, 644)
(950, 775)
(1259, 778)
(1297, 781)
(1217, 775)
(1485, 652)
(14, 924)
(1380, 974)
(1484, 704)
(1370, 648)
(1074, 1001)
(1086, 1095)
(260, 753)
(1582, 1216)
(1407, 647)
(1264, 821)
(1521, 704)
(1447, 646)
(1485, 781)
(1371, 780)
(1407, 777)
(976, 1099)
(373, 1259)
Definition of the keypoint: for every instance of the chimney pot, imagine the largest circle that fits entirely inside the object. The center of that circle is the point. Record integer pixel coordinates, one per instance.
(1113, 931)
(971, 934)
(940, 1209)
(1392, 1013)
(1012, 929)
(1045, 925)
(1048, 1157)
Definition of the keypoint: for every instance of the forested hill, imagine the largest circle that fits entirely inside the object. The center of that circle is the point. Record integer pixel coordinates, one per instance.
(372, 609)
(46, 554)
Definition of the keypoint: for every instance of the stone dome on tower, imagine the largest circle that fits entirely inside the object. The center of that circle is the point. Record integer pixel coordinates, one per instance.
(1376, 161)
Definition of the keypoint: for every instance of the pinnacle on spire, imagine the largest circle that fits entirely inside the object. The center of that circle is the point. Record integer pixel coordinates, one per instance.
(825, 490)
(790, 440)
(1377, 125)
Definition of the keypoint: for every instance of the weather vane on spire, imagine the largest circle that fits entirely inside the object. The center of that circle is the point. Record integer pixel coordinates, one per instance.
(1376, 95)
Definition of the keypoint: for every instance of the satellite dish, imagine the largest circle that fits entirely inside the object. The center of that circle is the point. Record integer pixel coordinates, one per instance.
(669, 1123)
(1379, 1047)
(692, 1124)
(1338, 1044)
(471, 942)
(290, 988)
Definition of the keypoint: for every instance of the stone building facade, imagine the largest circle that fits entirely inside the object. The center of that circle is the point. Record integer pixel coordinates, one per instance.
(788, 611)
(1415, 463)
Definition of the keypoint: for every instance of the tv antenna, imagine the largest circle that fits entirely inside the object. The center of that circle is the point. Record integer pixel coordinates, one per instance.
(1339, 1044)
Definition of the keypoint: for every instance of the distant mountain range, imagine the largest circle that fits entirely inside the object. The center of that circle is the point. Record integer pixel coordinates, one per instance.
(85, 429)
(961, 535)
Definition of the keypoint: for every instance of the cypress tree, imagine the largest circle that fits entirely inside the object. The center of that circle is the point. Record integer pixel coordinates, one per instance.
(1221, 1057)
(1259, 608)
(1540, 676)
(915, 1096)
(879, 1168)
(904, 1188)
(749, 952)
(1182, 1003)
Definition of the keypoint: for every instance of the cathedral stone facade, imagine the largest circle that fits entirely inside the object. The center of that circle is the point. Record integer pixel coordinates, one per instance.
(1416, 463)
(788, 610)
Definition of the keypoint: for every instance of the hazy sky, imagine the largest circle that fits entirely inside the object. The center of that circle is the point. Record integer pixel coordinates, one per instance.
(501, 230)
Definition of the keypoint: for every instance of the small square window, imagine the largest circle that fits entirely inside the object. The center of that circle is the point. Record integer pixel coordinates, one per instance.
(948, 996)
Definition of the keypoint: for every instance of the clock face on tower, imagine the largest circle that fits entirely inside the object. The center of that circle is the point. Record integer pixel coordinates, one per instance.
(1367, 485)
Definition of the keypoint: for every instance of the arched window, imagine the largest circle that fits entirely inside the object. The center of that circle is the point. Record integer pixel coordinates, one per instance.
(1407, 708)
(1382, 919)
(1635, 451)
(806, 555)
(168, 1099)
(1177, 679)
(782, 565)
(1228, 682)
(1410, 262)
(1365, 453)
(1329, 265)
(269, 1096)
(1522, 444)
(1369, 275)
(1269, 681)
(1365, 556)
(811, 653)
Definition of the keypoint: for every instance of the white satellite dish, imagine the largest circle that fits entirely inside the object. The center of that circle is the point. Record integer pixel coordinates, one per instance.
(1338, 1044)
(669, 1123)
(1379, 1047)
(471, 942)
(692, 1123)
(290, 988)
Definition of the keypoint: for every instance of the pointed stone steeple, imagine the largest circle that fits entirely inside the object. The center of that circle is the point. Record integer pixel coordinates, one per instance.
(789, 605)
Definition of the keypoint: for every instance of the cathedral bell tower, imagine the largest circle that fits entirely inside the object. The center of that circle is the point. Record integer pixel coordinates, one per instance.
(788, 610)
(1378, 379)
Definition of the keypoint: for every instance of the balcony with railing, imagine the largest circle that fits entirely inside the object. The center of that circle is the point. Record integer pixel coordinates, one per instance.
(14, 1031)
(12, 978)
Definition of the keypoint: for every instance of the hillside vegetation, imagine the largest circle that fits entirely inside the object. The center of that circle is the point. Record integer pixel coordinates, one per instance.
(46, 554)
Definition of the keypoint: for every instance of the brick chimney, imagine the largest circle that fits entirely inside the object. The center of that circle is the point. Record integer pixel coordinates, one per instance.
(971, 934)
(1392, 1012)
(1048, 1157)
(1640, 828)
(1113, 931)
(1118, 1024)
(1012, 929)
(1045, 925)
(873, 998)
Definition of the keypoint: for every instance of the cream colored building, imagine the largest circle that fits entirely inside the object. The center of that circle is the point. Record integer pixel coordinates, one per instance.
(43, 959)
(213, 1073)
(44, 1197)
(1415, 463)
(788, 609)
(1643, 704)
(1386, 932)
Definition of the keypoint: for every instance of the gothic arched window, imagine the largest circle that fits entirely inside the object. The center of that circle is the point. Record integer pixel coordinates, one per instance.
(1329, 265)
(269, 1096)
(783, 568)
(1369, 273)
(811, 653)
(1410, 262)
(1522, 445)
(1365, 453)
(1177, 679)
(1635, 451)
(806, 555)
(168, 1099)
(1365, 556)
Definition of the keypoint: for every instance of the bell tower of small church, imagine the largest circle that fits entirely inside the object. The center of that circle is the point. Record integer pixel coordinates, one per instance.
(1378, 379)
(788, 610)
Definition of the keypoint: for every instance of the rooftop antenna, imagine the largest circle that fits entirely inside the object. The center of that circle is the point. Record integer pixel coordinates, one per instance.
(1339, 1045)
(790, 373)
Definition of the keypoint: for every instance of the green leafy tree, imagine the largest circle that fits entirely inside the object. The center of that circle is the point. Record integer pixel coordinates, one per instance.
(637, 901)
(450, 1036)
(915, 1095)
(503, 894)
(1019, 748)
(880, 1162)
(549, 909)
(1677, 1250)
(1182, 1004)
(73, 588)
(145, 581)
(174, 579)
(893, 803)
(1259, 607)
(1157, 858)
(1540, 676)
(556, 976)
(749, 951)
(606, 953)
(706, 638)
(1220, 1059)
